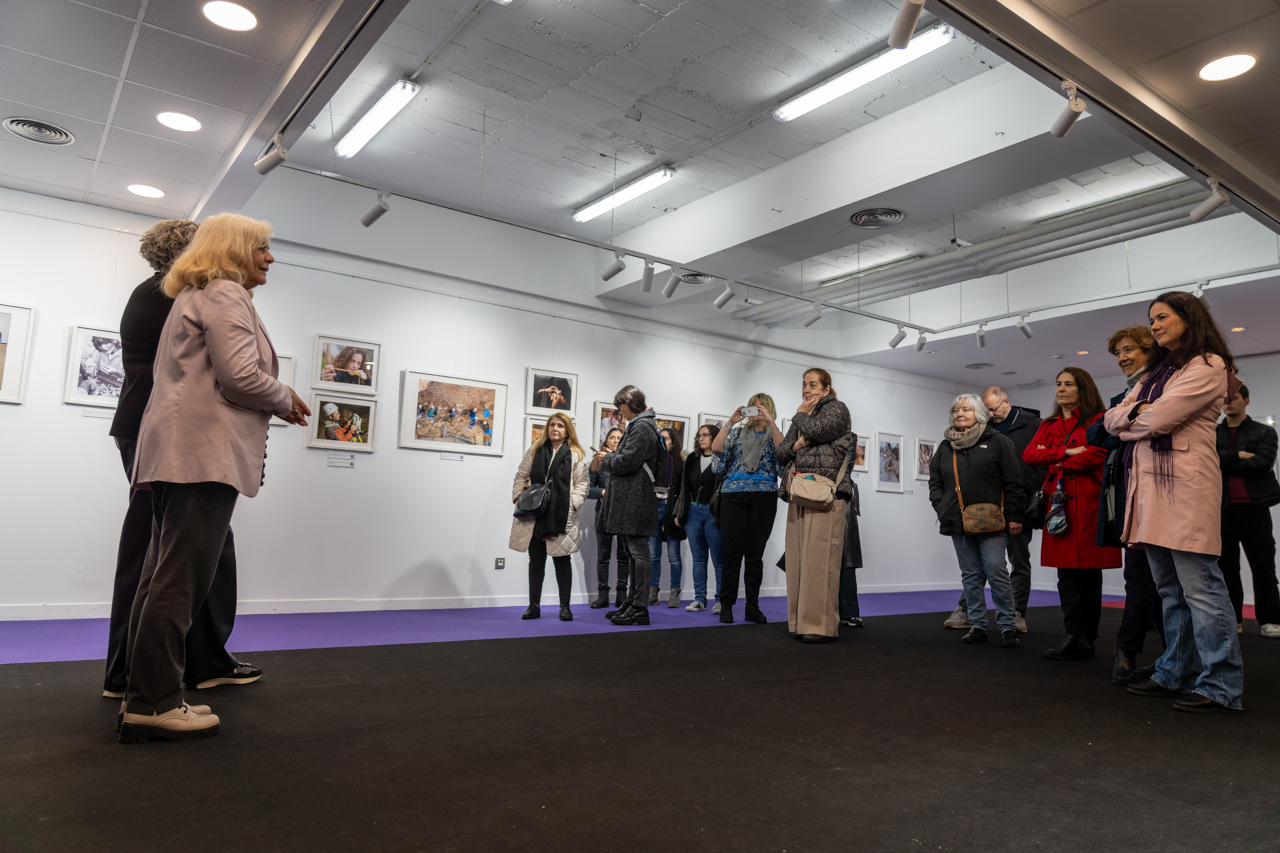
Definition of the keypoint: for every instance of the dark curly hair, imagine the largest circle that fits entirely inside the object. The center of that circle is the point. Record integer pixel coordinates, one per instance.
(164, 241)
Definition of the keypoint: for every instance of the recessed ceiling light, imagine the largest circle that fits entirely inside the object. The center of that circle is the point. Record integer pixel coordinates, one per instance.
(1238, 329)
(1227, 67)
(146, 191)
(231, 16)
(178, 121)
(1082, 352)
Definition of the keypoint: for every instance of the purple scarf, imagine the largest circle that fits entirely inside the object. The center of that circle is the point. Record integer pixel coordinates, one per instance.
(1161, 445)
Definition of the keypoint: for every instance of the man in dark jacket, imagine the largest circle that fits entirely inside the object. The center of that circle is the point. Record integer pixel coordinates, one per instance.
(1019, 425)
(1247, 451)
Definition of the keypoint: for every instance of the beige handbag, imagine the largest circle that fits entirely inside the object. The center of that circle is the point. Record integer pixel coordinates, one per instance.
(813, 491)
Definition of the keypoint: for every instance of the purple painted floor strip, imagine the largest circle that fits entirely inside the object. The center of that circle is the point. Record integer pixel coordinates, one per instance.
(86, 639)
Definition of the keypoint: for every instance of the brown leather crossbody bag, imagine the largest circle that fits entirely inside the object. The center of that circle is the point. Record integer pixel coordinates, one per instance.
(978, 518)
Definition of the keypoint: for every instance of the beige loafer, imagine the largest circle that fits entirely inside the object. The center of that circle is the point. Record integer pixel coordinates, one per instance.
(181, 723)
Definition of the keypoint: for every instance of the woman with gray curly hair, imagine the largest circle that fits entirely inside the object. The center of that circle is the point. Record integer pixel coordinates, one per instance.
(975, 483)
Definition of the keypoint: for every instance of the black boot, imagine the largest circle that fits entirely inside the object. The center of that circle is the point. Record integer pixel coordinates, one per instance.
(634, 615)
(1126, 663)
(602, 600)
(1144, 672)
(566, 615)
(1072, 647)
(533, 611)
(754, 614)
(623, 607)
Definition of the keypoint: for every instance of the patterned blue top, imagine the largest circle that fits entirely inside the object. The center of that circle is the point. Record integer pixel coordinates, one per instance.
(765, 477)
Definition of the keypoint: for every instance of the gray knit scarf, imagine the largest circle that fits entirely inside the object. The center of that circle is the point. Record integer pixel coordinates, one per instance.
(754, 444)
(963, 439)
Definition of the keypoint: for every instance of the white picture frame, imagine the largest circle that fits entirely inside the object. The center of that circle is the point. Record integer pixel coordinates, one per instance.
(435, 414)
(287, 368)
(362, 378)
(925, 448)
(604, 417)
(680, 423)
(862, 456)
(17, 331)
(537, 381)
(355, 416)
(888, 462)
(721, 421)
(95, 373)
(533, 427)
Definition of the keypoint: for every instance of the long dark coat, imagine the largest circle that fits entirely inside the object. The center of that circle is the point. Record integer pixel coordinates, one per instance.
(630, 507)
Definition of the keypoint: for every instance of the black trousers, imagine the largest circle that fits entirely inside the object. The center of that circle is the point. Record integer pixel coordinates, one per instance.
(746, 521)
(207, 655)
(188, 533)
(538, 571)
(1019, 551)
(1250, 526)
(1080, 591)
(604, 546)
(849, 594)
(1141, 603)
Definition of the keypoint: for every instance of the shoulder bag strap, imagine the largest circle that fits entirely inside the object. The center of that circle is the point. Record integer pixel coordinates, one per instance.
(955, 471)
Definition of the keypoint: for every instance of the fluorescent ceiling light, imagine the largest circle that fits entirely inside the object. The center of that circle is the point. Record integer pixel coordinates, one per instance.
(231, 16)
(861, 75)
(146, 191)
(392, 102)
(632, 190)
(1227, 67)
(178, 121)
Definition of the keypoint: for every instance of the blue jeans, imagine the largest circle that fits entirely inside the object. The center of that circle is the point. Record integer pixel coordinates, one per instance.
(982, 562)
(704, 539)
(673, 553)
(1203, 653)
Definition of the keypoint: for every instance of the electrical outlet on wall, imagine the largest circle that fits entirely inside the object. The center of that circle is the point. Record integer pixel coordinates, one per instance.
(500, 563)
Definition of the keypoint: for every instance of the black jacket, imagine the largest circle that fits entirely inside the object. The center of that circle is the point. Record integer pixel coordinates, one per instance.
(599, 481)
(140, 328)
(989, 473)
(631, 507)
(1025, 424)
(1258, 472)
(1113, 479)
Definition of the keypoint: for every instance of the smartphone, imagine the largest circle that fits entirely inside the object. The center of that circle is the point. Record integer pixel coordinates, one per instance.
(750, 411)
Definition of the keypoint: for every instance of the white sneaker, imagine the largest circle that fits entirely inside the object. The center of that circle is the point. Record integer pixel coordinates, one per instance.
(1271, 630)
(696, 606)
(716, 609)
(1019, 623)
(958, 619)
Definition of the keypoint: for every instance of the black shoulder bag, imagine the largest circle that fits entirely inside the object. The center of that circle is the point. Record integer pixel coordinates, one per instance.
(533, 501)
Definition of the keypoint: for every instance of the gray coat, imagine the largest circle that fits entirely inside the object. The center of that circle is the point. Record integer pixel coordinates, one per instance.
(630, 507)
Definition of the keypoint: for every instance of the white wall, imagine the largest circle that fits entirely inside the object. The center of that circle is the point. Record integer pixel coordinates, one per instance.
(404, 528)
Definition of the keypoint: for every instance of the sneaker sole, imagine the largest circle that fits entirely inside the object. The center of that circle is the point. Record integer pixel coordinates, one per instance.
(112, 694)
(957, 627)
(218, 682)
(133, 733)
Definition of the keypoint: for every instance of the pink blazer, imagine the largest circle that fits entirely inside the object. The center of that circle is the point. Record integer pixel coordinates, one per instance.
(215, 390)
(1189, 516)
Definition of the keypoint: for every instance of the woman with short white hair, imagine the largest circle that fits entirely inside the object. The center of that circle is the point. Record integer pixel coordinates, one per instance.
(975, 483)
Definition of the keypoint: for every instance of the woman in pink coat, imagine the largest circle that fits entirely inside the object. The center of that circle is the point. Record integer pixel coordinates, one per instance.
(201, 445)
(1173, 503)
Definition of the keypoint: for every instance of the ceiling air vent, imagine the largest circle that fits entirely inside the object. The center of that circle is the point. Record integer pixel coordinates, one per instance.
(877, 217)
(696, 278)
(979, 365)
(35, 130)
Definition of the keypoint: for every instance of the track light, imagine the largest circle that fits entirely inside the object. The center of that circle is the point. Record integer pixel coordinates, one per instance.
(898, 338)
(375, 213)
(814, 317)
(723, 299)
(650, 181)
(1210, 204)
(1024, 328)
(920, 342)
(1199, 293)
(614, 268)
(672, 284)
(392, 102)
(982, 335)
(277, 155)
(646, 277)
(905, 24)
(1071, 114)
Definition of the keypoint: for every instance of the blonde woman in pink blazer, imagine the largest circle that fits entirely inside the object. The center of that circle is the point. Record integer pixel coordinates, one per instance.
(201, 446)
(1173, 503)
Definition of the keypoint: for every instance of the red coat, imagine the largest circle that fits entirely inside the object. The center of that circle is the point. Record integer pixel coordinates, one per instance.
(1082, 482)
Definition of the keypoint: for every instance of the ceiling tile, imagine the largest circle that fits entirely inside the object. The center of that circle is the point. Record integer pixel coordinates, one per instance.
(1237, 119)
(133, 204)
(280, 24)
(36, 163)
(207, 73)
(1177, 76)
(139, 105)
(54, 86)
(40, 188)
(67, 32)
(87, 133)
(128, 8)
(160, 156)
(1138, 31)
(113, 182)
(1264, 153)
(1067, 8)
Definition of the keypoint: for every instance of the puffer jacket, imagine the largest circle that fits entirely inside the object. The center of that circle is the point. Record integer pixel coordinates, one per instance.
(630, 507)
(522, 530)
(990, 472)
(828, 436)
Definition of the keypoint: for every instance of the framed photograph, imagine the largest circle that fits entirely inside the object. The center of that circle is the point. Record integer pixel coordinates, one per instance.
(705, 418)
(286, 376)
(95, 368)
(925, 448)
(533, 427)
(345, 366)
(452, 414)
(860, 456)
(604, 418)
(678, 423)
(888, 462)
(549, 391)
(17, 329)
(342, 423)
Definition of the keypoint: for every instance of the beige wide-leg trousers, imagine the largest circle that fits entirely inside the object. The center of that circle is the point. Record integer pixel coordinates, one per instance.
(815, 543)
